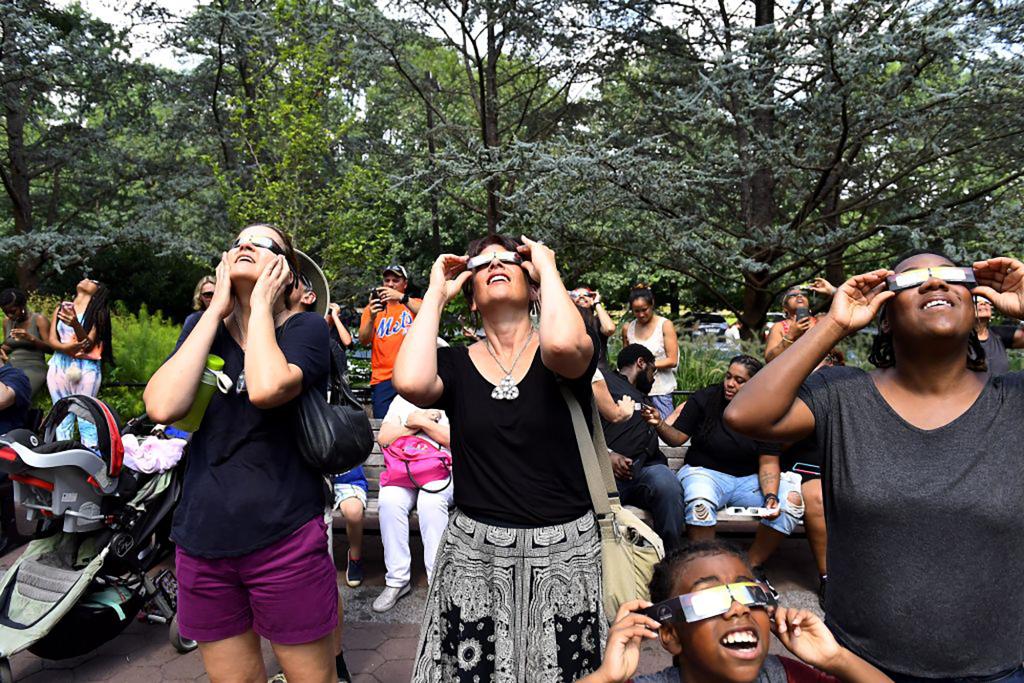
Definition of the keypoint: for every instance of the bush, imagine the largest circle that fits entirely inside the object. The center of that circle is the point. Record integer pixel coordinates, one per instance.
(142, 341)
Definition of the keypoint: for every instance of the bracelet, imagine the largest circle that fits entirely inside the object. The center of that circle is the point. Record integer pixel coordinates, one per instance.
(771, 495)
(786, 340)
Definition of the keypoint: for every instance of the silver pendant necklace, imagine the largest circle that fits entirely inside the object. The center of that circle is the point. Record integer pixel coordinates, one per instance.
(507, 389)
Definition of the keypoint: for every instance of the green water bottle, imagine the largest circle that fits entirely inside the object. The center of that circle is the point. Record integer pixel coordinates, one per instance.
(207, 387)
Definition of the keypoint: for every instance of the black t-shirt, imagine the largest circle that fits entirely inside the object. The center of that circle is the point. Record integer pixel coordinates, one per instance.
(721, 449)
(245, 485)
(924, 527)
(633, 438)
(514, 462)
(1000, 338)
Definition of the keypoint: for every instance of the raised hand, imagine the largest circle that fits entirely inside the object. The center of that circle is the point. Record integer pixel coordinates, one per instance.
(538, 259)
(622, 653)
(271, 283)
(1001, 281)
(858, 300)
(806, 636)
(651, 415)
(221, 303)
(823, 286)
(448, 274)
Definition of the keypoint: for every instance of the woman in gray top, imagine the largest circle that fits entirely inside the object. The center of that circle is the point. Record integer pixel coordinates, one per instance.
(26, 346)
(922, 469)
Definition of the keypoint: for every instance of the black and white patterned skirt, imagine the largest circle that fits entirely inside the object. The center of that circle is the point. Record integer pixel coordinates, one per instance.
(513, 604)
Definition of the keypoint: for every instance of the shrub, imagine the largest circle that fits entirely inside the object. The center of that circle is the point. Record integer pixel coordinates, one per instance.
(142, 341)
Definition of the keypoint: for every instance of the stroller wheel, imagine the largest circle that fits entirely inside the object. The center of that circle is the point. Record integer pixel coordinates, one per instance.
(6, 675)
(182, 645)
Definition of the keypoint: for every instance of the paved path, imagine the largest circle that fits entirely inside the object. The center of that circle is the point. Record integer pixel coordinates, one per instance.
(378, 648)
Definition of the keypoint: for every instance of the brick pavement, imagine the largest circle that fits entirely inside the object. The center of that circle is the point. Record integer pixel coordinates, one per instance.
(378, 648)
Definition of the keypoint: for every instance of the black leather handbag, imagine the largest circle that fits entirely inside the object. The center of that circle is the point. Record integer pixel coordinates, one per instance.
(335, 435)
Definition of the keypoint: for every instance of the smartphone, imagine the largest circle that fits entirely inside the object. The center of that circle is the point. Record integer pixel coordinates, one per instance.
(803, 313)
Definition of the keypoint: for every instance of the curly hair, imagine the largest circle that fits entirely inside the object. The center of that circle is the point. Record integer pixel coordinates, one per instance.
(668, 570)
(97, 314)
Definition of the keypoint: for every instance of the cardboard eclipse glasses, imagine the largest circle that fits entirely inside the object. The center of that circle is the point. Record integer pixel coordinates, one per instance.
(710, 602)
(953, 275)
(482, 260)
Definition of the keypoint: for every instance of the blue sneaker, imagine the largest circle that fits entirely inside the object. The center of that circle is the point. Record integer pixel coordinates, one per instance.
(354, 572)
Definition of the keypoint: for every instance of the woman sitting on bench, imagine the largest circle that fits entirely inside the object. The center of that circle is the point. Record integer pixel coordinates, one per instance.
(404, 426)
(725, 468)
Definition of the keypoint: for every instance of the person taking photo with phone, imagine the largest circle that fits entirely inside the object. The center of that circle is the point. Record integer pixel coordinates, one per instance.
(385, 322)
(796, 305)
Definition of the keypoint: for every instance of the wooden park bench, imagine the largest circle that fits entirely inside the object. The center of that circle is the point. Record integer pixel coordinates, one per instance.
(374, 465)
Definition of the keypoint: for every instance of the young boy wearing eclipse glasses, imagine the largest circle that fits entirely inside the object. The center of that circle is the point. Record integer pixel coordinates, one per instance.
(717, 629)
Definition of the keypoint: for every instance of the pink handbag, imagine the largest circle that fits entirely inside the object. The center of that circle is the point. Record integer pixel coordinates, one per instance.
(411, 462)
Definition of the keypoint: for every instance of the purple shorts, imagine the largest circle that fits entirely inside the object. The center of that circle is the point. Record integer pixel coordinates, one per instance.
(286, 592)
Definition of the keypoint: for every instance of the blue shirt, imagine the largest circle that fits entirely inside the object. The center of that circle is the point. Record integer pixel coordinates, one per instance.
(13, 416)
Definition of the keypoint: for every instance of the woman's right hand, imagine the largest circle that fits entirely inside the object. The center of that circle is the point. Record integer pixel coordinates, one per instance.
(858, 300)
(222, 303)
(797, 329)
(448, 274)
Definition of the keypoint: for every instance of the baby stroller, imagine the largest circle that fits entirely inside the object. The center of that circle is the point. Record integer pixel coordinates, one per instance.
(101, 529)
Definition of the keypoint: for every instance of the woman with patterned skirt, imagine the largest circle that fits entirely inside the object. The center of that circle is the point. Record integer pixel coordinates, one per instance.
(516, 588)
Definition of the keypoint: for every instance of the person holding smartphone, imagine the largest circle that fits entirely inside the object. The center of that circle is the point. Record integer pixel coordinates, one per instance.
(796, 306)
(386, 320)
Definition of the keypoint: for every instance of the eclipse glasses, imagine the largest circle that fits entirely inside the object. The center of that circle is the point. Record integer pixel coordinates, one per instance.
(482, 260)
(261, 242)
(710, 602)
(953, 275)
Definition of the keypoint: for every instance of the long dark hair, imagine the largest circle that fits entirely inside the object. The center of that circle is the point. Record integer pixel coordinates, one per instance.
(882, 354)
(97, 314)
(716, 407)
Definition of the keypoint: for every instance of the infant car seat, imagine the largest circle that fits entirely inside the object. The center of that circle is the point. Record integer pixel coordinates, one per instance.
(65, 478)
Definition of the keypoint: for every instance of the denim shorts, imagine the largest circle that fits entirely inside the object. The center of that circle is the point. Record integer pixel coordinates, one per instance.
(706, 491)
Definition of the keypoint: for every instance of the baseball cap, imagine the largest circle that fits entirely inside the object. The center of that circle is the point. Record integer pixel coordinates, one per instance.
(397, 270)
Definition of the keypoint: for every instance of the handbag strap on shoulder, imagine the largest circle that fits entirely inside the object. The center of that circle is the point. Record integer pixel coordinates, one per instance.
(597, 466)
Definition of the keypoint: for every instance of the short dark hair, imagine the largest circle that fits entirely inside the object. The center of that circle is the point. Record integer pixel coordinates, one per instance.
(13, 297)
(641, 291)
(666, 571)
(630, 354)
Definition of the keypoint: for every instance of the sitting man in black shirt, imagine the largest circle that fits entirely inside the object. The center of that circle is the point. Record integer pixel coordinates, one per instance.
(641, 471)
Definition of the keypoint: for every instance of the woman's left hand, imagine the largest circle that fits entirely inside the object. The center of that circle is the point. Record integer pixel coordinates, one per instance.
(271, 283)
(772, 504)
(1001, 281)
(538, 259)
(806, 636)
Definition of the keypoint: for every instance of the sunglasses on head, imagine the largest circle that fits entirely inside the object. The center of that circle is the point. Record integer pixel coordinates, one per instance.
(710, 602)
(953, 275)
(259, 241)
(482, 260)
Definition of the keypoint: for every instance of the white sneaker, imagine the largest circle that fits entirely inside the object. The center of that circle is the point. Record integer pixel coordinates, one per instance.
(388, 597)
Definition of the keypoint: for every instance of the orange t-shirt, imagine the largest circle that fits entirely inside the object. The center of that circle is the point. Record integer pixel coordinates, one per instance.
(389, 329)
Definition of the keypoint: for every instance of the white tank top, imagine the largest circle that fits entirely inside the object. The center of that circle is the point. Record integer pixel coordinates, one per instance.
(664, 378)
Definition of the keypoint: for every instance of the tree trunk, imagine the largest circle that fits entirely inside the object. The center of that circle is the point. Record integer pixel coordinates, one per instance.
(16, 175)
(435, 222)
(758, 193)
(490, 121)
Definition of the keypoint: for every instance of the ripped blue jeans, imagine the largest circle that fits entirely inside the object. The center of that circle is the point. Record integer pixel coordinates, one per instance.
(706, 491)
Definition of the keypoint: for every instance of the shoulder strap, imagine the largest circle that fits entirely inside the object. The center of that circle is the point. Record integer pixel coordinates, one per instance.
(594, 453)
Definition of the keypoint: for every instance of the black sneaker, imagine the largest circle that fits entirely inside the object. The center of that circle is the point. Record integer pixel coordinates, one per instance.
(339, 665)
(762, 577)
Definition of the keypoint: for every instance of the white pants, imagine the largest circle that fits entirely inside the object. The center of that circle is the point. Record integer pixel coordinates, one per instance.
(396, 502)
